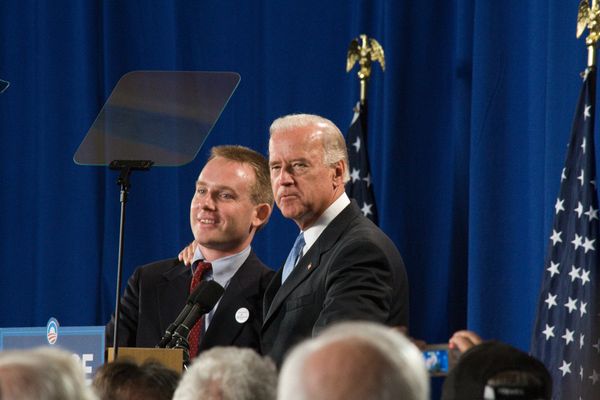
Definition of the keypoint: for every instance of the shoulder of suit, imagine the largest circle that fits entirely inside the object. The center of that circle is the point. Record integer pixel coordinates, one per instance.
(161, 267)
(253, 263)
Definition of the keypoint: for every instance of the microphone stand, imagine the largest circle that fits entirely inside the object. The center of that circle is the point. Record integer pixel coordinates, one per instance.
(182, 343)
(125, 166)
(179, 340)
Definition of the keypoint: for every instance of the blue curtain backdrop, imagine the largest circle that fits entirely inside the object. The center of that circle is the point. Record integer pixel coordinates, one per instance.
(468, 128)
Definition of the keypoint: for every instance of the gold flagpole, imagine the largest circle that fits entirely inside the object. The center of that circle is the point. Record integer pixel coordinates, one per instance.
(589, 17)
(364, 50)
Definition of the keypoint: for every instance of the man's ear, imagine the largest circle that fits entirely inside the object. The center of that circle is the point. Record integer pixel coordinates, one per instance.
(262, 212)
(339, 169)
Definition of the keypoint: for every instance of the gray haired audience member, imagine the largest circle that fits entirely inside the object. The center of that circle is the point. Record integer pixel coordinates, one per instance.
(42, 374)
(355, 361)
(126, 380)
(229, 373)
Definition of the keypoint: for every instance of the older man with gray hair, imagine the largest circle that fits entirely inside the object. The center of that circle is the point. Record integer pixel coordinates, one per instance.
(341, 267)
(352, 361)
(229, 373)
(42, 374)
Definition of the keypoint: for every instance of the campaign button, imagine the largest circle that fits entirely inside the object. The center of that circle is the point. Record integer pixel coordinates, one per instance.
(242, 315)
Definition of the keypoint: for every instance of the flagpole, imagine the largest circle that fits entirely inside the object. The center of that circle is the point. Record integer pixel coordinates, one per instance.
(359, 187)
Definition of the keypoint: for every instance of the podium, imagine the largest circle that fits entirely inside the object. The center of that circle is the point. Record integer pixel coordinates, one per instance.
(170, 358)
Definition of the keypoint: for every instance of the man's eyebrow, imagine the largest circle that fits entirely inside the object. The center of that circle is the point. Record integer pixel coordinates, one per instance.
(301, 159)
(218, 187)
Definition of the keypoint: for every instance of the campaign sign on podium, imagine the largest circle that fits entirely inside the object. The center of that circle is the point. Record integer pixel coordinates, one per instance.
(85, 342)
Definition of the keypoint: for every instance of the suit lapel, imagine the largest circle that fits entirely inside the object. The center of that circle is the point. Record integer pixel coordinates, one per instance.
(272, 289)
(310, 261)
(172, 293)
(224, 327)
(307, 264)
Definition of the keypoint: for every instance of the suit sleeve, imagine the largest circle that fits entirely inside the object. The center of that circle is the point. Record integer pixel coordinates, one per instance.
(357, 284)
(128, 314)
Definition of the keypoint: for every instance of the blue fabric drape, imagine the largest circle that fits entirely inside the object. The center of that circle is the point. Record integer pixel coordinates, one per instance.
(467, 127)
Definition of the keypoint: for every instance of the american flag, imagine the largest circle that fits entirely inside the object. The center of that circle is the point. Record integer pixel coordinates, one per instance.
(360, 187)
(566, 333)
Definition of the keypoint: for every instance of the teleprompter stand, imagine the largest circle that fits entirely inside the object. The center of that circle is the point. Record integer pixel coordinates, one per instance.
(125, 166)
(153, 118)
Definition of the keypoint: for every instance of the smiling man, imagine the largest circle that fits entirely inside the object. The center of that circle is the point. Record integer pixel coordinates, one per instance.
(342, 266)
(232, 201)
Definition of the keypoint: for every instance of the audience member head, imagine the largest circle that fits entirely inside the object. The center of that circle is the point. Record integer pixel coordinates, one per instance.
(495, 370)
(309, 166)
(228, 373)
(42, 374)
(125, 380)
(354, 360)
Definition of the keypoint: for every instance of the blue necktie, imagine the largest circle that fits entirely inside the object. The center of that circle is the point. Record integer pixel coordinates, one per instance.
(292, 259)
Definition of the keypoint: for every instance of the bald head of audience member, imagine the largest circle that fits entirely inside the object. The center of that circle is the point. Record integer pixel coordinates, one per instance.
(354, 360)
(126, 380)
(42, 374)
(229, 373)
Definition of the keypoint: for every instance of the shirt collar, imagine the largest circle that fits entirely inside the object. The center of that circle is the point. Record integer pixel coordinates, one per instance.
(224, 268)
(312, 234)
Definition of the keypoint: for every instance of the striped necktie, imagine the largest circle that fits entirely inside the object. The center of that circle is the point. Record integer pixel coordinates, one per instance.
(197, 330)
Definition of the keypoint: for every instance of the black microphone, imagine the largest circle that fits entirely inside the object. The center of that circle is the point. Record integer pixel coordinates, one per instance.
(208, 296)
(192, 299)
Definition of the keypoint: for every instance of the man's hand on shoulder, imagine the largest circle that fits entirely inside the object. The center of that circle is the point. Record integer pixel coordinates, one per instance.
(186, 255)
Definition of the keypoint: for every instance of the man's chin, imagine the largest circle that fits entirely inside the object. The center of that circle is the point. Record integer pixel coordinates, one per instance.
(213, 243)
(290, 214)
(295, 215)
(288, 209)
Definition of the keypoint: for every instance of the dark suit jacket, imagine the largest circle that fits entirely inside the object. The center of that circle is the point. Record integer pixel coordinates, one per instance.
(352, 272)
(157, 292)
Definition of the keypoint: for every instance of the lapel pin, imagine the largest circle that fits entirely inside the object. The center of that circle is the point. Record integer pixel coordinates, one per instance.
(309, 266)
(242, 315)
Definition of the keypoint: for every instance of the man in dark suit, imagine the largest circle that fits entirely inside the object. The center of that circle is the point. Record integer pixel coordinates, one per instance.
(348, 269)
(232, 201)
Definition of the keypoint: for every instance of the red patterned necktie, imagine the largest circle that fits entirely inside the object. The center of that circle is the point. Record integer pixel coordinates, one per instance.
(194, 337)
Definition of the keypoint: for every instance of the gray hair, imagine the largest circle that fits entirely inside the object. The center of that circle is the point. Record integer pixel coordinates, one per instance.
(362, 360)
(229, 373)
(334, 144)
(43, 373)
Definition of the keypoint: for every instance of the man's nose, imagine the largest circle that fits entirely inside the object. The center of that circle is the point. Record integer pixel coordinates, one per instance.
(285, 178)
(208, 203)
(205, 202)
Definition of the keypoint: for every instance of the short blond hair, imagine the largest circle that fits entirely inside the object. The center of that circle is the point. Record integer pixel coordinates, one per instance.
(260, 191)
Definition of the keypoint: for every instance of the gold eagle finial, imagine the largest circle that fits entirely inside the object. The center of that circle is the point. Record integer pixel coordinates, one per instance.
(366, 51)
